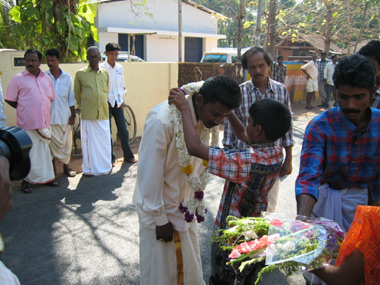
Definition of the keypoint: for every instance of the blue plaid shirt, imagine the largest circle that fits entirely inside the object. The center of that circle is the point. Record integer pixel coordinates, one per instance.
(333, 152)
(321, 69)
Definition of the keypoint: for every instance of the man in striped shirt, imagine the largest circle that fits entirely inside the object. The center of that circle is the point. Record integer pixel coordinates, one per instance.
(257, 63)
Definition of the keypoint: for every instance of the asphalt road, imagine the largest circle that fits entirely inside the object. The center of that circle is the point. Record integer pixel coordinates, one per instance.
(86, 230)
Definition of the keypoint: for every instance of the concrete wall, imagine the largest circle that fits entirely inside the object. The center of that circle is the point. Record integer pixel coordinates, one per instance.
(148, 84)
(165, 16)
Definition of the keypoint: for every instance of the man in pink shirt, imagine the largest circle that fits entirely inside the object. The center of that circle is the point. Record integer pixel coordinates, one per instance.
(31, 93)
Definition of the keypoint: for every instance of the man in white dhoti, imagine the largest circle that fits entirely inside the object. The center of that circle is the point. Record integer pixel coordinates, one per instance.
(91, 94)
(62, 115)
(2, 116)
(341, 148)
(162, 186)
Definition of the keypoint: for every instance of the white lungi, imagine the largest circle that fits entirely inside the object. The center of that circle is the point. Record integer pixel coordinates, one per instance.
(96, 147)
(158, 264)
(339, 206)
(273, 195)
(41, 166)
(61, 142)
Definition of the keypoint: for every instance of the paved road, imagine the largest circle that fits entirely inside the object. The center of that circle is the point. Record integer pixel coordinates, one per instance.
(86, 230)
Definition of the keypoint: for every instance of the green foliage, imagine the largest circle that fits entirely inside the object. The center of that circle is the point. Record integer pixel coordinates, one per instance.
(48, 24)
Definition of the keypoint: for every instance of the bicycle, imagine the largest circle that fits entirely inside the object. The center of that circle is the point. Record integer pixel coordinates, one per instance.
(76, 151)
(130, 121)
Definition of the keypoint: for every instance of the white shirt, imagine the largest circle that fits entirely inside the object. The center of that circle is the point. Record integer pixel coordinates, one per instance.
(161, 185)
(2, 116)
(60, 107)
(328, 73)
(116, 83)
(7, 277)
(312, 69)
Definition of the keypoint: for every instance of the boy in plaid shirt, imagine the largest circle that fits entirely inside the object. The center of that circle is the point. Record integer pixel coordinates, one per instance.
(250, 173)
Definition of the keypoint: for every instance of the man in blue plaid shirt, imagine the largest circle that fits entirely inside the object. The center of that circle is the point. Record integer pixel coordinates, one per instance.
(321, 80)
(341, 148)
(279, 70)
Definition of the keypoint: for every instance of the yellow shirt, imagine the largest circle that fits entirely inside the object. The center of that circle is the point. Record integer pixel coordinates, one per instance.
(91, 93)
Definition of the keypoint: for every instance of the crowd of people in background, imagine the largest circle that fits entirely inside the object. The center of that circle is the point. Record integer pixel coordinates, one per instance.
(338, 163)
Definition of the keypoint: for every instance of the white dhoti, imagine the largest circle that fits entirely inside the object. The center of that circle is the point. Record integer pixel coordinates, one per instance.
(41, 169)
(273, 196)
(339, 206)
(61, 142)
(96, 146)
(158, 260)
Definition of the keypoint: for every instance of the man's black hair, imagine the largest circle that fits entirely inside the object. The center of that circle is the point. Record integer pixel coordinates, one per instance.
(356, 71)
(273, 116)
(221, 89)
(112, 46)
(372, 50)
(252, 51)
(280, 57)
(38, 53)
(53, 52)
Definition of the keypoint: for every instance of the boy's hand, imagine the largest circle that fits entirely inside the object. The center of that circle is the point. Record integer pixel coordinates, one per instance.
(177, 97)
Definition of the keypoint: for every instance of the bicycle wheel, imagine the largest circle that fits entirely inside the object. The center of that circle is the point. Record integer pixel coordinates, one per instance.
(130, 121)
(76, 150)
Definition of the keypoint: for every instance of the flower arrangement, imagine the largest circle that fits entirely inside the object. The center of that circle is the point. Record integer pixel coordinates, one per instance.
(282, 242)
(197, 179)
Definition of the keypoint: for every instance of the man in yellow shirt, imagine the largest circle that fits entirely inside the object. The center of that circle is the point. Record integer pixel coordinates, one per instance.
(91, 94)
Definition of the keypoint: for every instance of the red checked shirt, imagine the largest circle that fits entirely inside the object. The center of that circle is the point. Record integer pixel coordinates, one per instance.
(242, 167)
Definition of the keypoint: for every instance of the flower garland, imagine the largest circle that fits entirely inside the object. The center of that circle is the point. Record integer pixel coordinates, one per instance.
(197, 180)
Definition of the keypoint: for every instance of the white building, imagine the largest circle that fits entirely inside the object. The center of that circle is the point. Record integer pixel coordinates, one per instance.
(153, 29)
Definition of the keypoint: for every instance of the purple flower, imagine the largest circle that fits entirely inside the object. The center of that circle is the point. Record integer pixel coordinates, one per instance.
(182, 208)
(188, 217)
(332, 243)
(198, 195)
(200, 218)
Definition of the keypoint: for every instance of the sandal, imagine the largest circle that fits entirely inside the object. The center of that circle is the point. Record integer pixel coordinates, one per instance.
(69, 172)
(133, 160)
(53, 183)
(26, 187)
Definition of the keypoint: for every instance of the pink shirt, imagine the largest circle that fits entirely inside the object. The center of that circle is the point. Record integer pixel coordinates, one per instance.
(33, 96)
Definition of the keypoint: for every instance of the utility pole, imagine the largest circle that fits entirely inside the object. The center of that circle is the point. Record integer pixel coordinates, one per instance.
(257, 34)
(179, 30)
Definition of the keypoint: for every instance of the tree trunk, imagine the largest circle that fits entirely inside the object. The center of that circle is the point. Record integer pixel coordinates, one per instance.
(328, 31)
(361, 25)
(272, 28)
(349, 19)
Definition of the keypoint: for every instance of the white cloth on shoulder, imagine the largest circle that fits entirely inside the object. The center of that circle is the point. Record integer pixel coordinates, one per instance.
(61, 142)
(158, 260)
(41, 168)
(96, 147)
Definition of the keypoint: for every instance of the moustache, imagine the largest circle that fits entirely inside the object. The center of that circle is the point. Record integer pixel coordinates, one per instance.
(351, 111)
(30, 65)
(257, 75)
